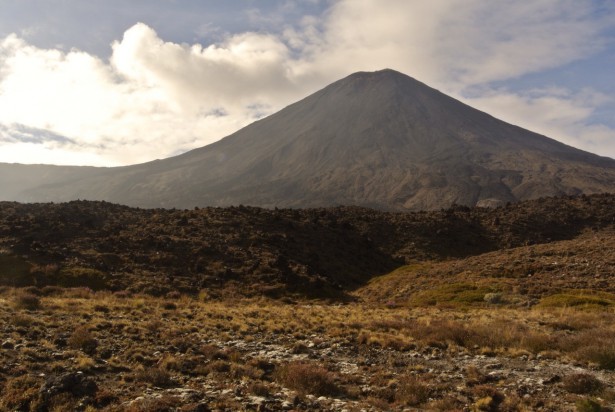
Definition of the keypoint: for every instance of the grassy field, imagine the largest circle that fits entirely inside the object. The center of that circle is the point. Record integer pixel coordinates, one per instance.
(74, 349)
(105, 307)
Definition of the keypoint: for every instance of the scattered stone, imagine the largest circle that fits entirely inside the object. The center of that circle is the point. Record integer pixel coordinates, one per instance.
(74, 383)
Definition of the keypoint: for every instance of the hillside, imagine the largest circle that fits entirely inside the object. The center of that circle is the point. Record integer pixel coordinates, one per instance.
(253, 251)
(381, 140)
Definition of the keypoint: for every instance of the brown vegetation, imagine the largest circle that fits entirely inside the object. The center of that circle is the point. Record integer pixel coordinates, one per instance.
(229, 355)
(120, 309)
(317, 253)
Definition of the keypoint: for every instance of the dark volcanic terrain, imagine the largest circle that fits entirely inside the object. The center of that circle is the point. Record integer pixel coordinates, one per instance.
(112, 308)
(252, 251)
(381, 140)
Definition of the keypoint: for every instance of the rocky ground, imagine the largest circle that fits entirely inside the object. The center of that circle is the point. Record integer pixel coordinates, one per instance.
(78, 350)
(314, 253)
(105, 307)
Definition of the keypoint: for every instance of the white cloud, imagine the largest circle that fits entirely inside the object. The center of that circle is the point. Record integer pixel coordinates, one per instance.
(556, 113)
(154, 98)
(246, 68)
(453, 43)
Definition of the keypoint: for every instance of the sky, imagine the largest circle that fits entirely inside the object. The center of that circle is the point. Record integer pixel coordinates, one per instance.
(116, 82)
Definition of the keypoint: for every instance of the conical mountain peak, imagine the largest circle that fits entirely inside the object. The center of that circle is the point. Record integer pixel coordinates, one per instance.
(378, 85)
(379, 139)
(380, 78)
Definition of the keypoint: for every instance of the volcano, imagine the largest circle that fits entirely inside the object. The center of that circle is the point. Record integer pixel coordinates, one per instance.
(376, 139)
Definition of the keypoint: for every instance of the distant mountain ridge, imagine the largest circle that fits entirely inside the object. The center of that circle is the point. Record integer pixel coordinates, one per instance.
(376, 139)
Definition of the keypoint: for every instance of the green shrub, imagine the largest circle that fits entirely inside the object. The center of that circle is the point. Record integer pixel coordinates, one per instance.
(453, 294)
(578, 299)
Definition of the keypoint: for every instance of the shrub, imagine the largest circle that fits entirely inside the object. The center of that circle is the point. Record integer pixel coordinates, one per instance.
(588, 405)
(474, 376)
(443, 332)
(22, 320)
(578, 299)
(307, 378)
(212, 352)
(412, 391)
(582, 383)
(83, 339)
(299, 348)
(259, 389)
(81, 277)
(33, 290)
(51, 290)
(493, 298)
(220, 366)
(84, 363)
(27, 301)
(122, 294)
(19, 393)
(537, 342)
(601, 354)
(104, 397)
(489, 398)
(62, 401)
(174, 295)
(453, 294)
(155, 376)
(245, 371)
(78, 293)
(15, 271)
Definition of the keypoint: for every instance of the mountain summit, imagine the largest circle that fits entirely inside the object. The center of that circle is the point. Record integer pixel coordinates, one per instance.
(378, 139)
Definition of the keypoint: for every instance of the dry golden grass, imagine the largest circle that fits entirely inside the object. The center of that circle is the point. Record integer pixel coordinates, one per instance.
(128, 344)
(307, 378)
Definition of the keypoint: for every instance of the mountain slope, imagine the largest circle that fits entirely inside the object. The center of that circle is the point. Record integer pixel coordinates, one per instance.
(15, 179)
(378, 139)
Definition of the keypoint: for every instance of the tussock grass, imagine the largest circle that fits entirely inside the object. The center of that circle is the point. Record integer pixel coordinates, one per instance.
(137, 343)
(26, 300)
(307, 378)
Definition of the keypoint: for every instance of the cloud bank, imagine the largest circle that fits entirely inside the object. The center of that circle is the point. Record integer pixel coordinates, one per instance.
(154, 98)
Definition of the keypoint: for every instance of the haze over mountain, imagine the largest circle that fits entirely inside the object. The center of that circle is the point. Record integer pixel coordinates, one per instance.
(379, 139)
